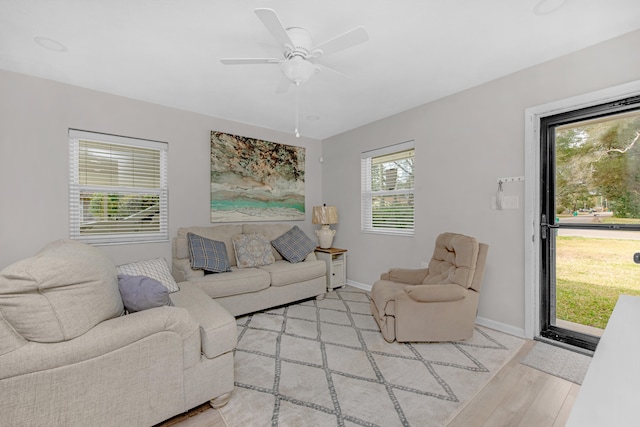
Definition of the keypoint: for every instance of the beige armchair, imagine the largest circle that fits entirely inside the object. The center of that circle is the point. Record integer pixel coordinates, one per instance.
(438, 303)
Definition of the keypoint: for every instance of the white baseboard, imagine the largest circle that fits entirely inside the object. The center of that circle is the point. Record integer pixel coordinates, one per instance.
(358, 285)
(502, 327)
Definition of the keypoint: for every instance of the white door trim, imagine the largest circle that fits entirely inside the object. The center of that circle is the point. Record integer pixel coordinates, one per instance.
(532, 118)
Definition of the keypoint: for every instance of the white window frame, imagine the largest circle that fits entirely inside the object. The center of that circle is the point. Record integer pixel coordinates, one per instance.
(76, 188)
(368, 194)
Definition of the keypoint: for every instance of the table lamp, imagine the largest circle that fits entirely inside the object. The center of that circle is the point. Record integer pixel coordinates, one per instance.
(325, 215)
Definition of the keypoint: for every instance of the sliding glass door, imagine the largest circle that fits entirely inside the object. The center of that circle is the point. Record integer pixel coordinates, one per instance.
(590, 218)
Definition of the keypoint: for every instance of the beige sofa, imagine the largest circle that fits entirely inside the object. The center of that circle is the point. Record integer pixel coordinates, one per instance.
(69, 356)
(246, 290)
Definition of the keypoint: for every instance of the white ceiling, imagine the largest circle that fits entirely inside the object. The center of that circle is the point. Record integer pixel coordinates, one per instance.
(167, 51)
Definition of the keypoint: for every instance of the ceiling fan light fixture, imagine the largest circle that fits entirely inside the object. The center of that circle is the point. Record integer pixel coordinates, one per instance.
(297, 69)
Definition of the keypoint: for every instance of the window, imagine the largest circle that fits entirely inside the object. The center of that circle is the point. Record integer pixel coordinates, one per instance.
(117, 189)
(387, 177)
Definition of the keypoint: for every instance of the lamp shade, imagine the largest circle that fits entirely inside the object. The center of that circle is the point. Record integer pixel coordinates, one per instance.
(298, 70)
(325, 215)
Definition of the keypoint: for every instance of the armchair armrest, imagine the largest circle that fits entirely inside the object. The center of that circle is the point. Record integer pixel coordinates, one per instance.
(406, 275)
(218, 330)
(104, 338)
(436, 293)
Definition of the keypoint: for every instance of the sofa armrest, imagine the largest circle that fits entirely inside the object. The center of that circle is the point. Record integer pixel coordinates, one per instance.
(107, 337)
(218, 330)
(181, 270)
(311, 257)
(436, 293)
(406, 275)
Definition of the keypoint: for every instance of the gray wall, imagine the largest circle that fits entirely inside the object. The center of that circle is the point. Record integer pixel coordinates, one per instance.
(35, 116)
(464, 143)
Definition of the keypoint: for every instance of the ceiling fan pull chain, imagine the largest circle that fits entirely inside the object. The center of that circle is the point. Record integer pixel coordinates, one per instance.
(297, 132)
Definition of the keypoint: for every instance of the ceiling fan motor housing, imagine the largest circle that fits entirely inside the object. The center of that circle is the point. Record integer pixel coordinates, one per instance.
(302, 43)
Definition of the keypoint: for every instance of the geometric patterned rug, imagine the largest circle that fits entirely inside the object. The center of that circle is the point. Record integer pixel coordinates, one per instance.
(325, 363)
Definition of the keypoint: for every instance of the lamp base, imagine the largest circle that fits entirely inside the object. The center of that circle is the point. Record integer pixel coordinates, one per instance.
(325, 236)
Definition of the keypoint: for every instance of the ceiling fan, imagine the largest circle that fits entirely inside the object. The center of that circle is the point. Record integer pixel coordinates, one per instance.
(299, 52)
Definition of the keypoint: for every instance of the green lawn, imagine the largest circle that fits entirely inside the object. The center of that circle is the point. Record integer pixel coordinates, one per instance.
(590, 274)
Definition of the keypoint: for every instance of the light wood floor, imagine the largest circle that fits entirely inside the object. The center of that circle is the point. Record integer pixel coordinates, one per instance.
(517, 396)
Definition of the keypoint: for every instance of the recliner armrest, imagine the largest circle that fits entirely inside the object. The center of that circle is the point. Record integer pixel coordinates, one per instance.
(406, 275)
(436, 293)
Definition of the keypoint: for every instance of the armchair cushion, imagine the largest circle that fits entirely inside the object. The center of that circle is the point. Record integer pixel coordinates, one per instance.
(454, 260)
(39, 295)
(436, 293)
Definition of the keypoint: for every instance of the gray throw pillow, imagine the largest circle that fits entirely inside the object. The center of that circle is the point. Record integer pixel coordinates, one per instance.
(206, 254)
(294, 245)
(142, 292)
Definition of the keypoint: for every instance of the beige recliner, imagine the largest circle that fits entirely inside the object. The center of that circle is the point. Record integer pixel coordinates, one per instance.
(438, 303)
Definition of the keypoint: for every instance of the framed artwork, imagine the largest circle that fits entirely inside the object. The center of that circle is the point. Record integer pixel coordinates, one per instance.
(255, 180)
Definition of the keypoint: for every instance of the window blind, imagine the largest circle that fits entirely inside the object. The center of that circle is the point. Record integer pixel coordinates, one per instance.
(118, 189)
(387, 190)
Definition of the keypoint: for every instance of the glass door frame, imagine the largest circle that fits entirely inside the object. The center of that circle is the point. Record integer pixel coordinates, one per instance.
(533, 190)
(548, 225)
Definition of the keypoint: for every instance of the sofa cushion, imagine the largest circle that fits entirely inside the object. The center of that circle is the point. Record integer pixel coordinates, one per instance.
(155, 268)
(294, 245)
(60, 293)
(285, 273)
(252, 250)
(207, 254)
(142, 293)
(238, 281)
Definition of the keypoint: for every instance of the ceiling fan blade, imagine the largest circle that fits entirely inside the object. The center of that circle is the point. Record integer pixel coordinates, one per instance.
(271, 21)
(324, 67)
(343, 41)
(240, 61)
(283, 86)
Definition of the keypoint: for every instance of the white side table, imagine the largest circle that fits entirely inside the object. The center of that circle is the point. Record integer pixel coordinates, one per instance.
(336, 260)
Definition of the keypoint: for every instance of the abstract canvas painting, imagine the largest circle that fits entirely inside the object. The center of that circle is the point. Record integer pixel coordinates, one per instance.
(255, 180)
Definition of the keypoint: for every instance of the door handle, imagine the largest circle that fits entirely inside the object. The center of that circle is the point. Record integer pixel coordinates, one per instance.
(544, 225)
(636, 257)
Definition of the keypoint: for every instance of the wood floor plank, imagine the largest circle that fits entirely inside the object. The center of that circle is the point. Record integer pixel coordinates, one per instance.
(482, 406)
(567, 405)
(478, 410)
(512, 409)
(547, 404)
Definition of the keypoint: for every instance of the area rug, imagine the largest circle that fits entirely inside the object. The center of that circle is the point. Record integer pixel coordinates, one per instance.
(325, 363)
(558, 362)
